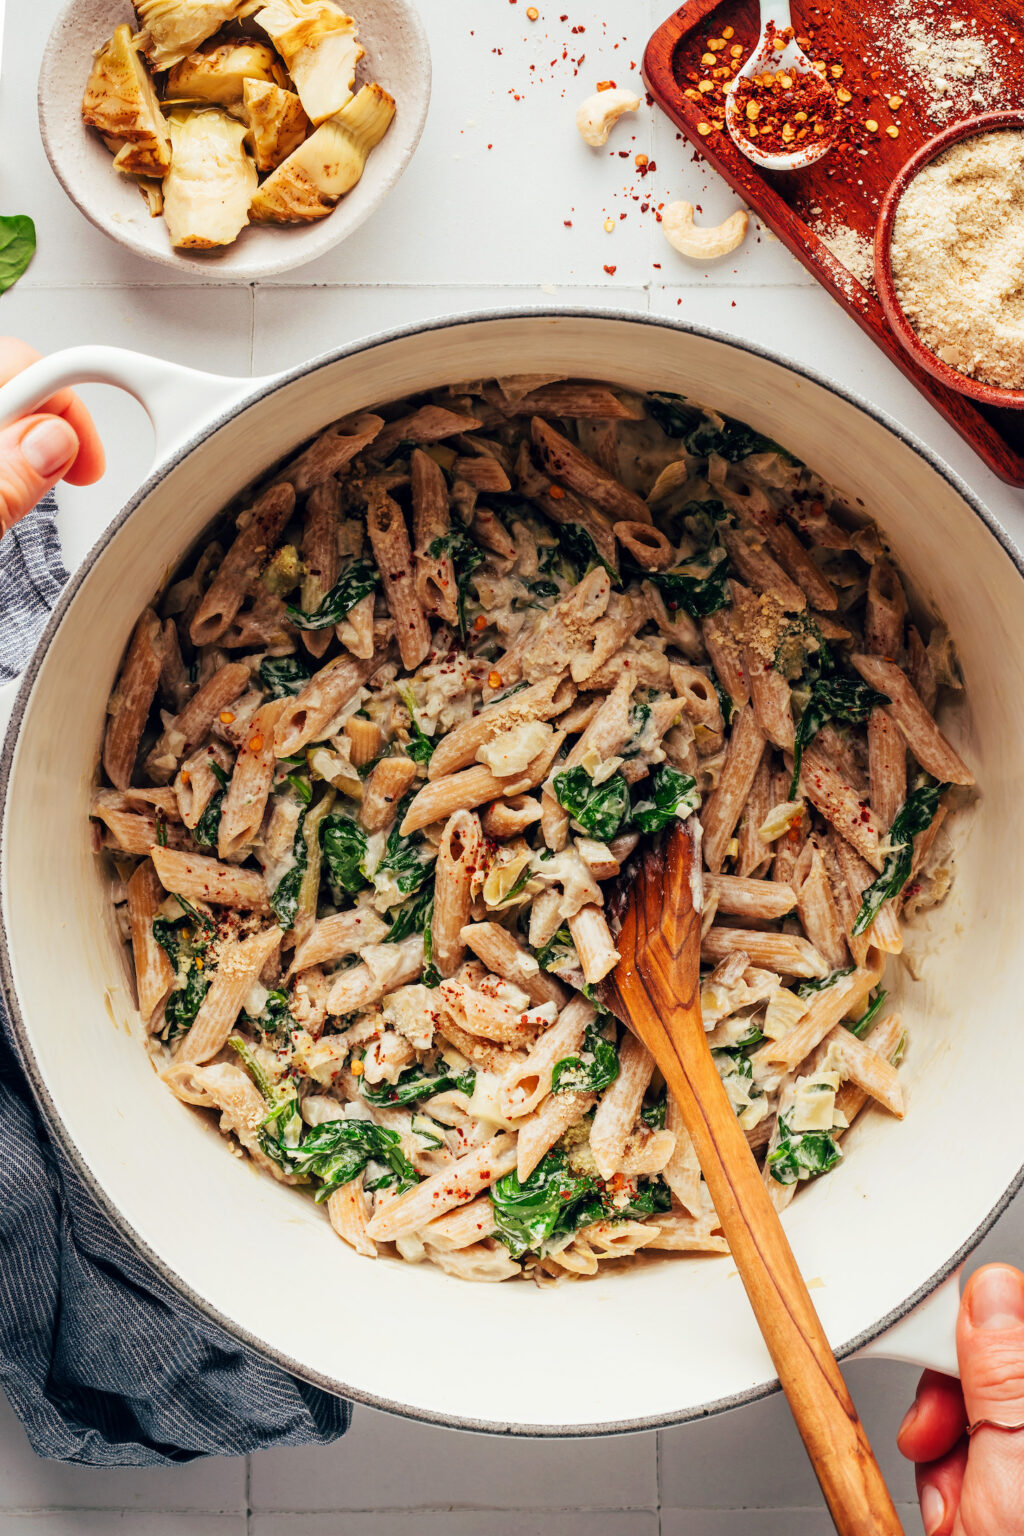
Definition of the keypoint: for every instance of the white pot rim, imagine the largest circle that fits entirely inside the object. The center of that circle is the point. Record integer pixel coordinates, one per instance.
(51, 1117)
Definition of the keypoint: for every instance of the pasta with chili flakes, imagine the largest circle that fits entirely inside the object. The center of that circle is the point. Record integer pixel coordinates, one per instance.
(365, 824)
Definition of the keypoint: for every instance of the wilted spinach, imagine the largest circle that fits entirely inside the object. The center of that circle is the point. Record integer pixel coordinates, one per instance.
(591, 1071)
(553, 1200)
(336, 1151)
(417, 1083)
(600, 809)
(344, 848)
(283, 676)
(832, 698)
(406, 861)
(284, 899)
(359, 578)
(185, 942)
(914, 816)
(673, 794)
(802, 1154)
(466, 557)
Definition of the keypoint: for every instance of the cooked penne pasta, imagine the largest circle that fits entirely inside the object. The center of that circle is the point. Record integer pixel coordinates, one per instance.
(459, 856)
(307, 717)
(454, 1186)
(132, 699)
(212, 702)
(249, 790)
(724, 805)
(923, 736)
(239, 966)
(500, 953)
(202, 879)
(384, 790)
(390, 540)
(259, 528)
(154, 974)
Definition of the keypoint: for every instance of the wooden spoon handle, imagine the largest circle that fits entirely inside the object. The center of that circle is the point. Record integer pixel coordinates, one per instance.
(822, 1407)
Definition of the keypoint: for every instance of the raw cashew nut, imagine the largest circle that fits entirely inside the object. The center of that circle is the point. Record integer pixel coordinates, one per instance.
(689, 239)
(600, 112)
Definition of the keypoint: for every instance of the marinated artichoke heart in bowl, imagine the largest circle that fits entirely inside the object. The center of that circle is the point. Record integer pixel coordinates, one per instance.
(231, 111)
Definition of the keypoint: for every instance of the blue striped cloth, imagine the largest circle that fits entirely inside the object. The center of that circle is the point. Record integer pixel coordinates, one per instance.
(103, 1362)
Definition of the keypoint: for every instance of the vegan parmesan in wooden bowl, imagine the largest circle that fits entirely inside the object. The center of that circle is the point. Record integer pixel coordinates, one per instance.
(949, 257)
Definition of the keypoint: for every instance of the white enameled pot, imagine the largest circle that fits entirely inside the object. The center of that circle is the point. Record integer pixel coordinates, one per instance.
(667, 1341)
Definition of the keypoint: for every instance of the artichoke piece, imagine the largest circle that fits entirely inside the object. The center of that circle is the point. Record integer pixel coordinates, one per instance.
(169, 30)
(120, 101)
(209, 187)
(309, 183)
(318, 44)
(218, 74)
(153, 192)
(277, 123)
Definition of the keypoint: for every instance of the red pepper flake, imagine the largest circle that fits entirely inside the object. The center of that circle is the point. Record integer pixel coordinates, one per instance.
(778, 111)
(611, 271)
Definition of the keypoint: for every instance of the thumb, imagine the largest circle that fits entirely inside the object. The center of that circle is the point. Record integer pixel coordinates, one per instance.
(990, 1344)
(34, 455)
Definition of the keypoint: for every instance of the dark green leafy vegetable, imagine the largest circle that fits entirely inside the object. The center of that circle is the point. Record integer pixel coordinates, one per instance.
(802, 1154)
(654, 1114)
(673, 794)
(591, 1071)
(544, 588)
(406, 861)
(416, 1083)
(338, 1150)
(208, 825)
(283, 676)
(832, 698)
(651, 1198)
(553, 1200)
(161, 829)
(357, 579)
(412, 916)
(733, 440)
(185, 1001)
(17, 247)
(818, 984)
(344, 848)
(698, 585)
(559, 955)
(284, 899)
(581, 552)
(803, 651)
(276, 1016)
(600, 809)
(466, 557)
(184, 941)
(672, 413)
(860, 1027)
(914, 816)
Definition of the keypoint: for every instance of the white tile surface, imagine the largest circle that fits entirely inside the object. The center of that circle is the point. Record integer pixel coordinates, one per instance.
(470, 227)
(393, 1463)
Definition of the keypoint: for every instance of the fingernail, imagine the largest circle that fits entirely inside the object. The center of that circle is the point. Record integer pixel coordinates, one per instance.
(49, 446)
(933, 1509)
(908, 1419)
(997, 1298)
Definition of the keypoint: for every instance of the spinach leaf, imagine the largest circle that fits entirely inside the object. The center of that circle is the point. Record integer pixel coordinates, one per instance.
(802, 1154)
(208, 825)
(416, 1083)
(592, 1070)
(699, 585)
(672, 413)
(421, 746)
(186, 1000)
(302, 785)
(860, 1027)
(466, 557)
(276, 1016)
(166, 934)
(344, 848)
(652, 1196)
(673, 794)
(336, 1151)
(818, 984)
(725, 702)
(406, 861)
(832, 698)
(185, 942)
(413, 916)
(284, 898)
(914, 816)
(552, 1201)
(283, 676)
(655, 1113)
(357, 579)
(17, 247)
(558, 955)
(733, 440)
(544, 588)
(581, 552)
(600, 809)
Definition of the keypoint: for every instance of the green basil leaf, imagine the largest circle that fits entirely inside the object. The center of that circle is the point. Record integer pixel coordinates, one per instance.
(599, 809)
(359, 578)
(17, 247)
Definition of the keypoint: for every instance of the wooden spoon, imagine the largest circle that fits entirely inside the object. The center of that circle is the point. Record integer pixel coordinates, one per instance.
(655, 989)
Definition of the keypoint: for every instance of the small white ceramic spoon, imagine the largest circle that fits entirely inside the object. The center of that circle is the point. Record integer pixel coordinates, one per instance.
(774, 18)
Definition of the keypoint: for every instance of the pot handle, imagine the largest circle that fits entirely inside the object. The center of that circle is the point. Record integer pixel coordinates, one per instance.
(176, 399)
(926, 1336)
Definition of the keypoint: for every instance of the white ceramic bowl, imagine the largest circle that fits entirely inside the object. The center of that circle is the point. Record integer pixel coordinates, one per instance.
(397, 55)
(669, 1340)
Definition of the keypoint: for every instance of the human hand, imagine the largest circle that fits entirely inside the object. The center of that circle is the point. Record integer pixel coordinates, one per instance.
(57, 442)
(974, 1487)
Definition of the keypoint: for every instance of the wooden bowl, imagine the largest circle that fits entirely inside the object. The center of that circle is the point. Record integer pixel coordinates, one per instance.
(988, 394)
(397, 54)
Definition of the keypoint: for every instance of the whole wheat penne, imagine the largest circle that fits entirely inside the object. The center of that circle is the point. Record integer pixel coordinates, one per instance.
(770, 696)
(459, 747)
(840, 804)
(885, 611)
(754, 850)
(884, 932)
(189, 729)
(306, 717)
(554, 822)
(528, 1083)
(782, 952)
(697, 697)
(504, 956)
(473, 787)
(175, 685)
(722, 808)
(199, 779)
(508, 818)
(355, 632)
(341, 934)
(825, 1009)
(818, 911)
(259, 529)
(349, 1216)
(754, 565)
(483, 473)
(198, 878)
(331, 452)
(925, 740)
(246, 798)
(682, 1171)
(459, 1228)
(923, 844)
(594, 943)
(321, 557)
(726, 658)
(863, 1065)
(619, 1106)
(390, 540)
(740, 897)
(309, 886)
(677, 626)
(565, 508)
(132, 699)
(453, 1186)
(154, 974)
(385, 967)
(571, 399)
(920, 670)
(228, 1088)
(435, 573)
(566, 463)
(835, 851)
(887, 767)
(430, 424)
(886, 1039)
(539, 1134)
(685, 1234)
(383, 790)
(366, 739)
(136, 832)
(648, 546)
(238, 968)
(794, 558)
(459, 855)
